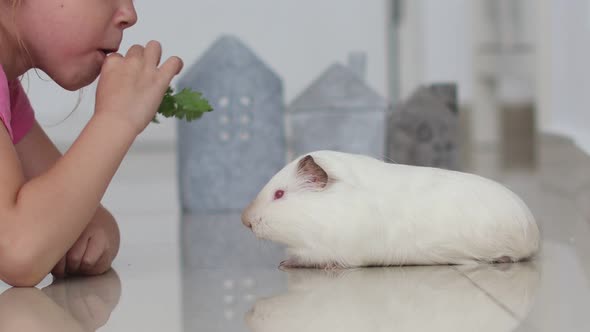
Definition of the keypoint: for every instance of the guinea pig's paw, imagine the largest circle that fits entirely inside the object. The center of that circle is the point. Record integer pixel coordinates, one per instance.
(330, 266)
(504, 260)
(292, 263)
(326, 266)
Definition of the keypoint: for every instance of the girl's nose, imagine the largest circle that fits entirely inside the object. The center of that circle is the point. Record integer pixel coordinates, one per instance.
(126, 16)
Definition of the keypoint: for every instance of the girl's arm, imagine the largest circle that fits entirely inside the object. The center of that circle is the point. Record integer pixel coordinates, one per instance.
(38, 154)
(42, 218)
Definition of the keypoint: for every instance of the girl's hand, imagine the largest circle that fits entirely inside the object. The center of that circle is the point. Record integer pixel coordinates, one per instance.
(94, 251)
(131, 88)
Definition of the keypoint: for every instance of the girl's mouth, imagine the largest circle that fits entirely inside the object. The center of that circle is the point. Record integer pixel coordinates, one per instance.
(108, 51)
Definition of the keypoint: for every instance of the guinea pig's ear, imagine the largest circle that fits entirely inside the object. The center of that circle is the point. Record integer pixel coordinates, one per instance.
(312, 173)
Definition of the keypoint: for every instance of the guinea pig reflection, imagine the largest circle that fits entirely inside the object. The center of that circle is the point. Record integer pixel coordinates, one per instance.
(425, 298)
(72, 304)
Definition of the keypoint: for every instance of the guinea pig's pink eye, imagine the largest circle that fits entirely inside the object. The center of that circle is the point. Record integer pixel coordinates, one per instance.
(279, 194)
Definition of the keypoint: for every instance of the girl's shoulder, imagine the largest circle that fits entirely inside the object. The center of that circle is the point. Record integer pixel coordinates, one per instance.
(16, 112)
(5, 108)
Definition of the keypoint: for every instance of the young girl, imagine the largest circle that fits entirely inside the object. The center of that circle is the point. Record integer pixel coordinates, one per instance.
(51, 219)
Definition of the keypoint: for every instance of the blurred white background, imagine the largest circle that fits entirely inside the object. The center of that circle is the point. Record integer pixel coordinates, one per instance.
(503, 51)
(568, 81)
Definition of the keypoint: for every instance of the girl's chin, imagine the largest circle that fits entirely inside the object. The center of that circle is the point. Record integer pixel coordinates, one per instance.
(76, 82)
(78, 73)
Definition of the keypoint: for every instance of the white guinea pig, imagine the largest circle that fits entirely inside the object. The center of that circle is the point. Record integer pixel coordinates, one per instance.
(335, 209)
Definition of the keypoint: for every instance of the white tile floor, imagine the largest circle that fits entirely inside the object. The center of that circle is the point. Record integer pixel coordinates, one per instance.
(208, 273)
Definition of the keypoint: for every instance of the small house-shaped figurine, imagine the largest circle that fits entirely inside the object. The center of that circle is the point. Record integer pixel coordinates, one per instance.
(424, 131)
(338, 112)
(227, 156)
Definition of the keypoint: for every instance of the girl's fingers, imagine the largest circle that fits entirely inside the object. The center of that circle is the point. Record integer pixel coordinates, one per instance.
(153, 54)
(171, 68)
(95, 248)
(135, 50)
(102, 264)
(75, 254)
(59, 271)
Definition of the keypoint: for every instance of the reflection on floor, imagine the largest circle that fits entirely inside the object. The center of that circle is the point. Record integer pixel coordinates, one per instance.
(192, 273)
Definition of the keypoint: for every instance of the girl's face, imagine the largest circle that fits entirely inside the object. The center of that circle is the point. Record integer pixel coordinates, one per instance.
(69, 39)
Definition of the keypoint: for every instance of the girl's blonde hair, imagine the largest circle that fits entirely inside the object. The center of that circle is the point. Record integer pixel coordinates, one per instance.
(15, 5)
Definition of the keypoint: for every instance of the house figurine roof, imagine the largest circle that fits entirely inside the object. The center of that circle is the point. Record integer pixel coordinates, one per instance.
(338, 88)
(228, 60)
(431, 98)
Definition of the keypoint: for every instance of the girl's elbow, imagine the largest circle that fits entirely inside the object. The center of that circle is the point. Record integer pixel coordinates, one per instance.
(22, 280)
(20, 270)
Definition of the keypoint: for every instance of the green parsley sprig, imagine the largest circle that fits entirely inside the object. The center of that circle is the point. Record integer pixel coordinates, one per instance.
(186, 104)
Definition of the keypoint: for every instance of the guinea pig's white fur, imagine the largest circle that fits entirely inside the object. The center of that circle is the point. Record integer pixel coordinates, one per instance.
(373, 213)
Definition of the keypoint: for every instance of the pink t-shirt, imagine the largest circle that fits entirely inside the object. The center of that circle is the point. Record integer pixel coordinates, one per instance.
(15, 109)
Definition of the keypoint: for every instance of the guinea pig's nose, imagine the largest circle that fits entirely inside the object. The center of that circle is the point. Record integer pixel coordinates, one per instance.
(245, 220)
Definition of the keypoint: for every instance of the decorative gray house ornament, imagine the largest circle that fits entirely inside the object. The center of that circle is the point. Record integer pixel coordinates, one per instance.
(224, 159)
(338, 111)
(423, 131)
(357, 63)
